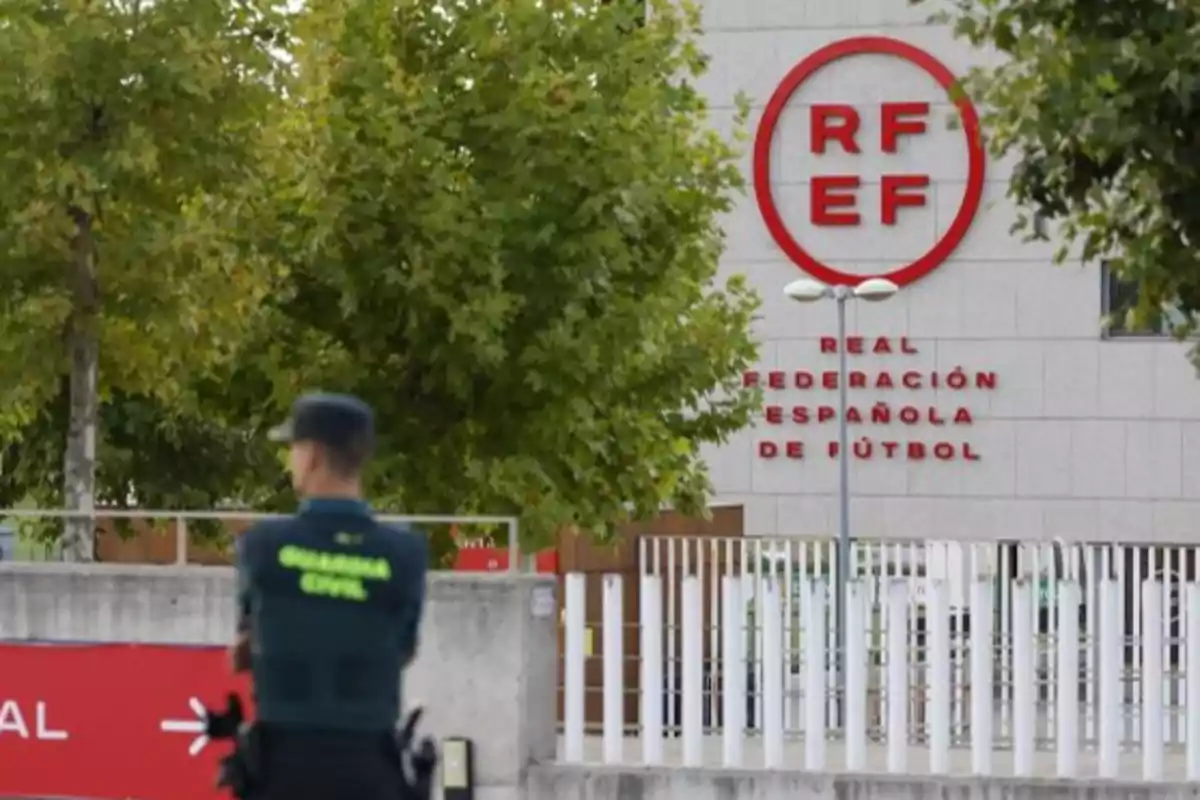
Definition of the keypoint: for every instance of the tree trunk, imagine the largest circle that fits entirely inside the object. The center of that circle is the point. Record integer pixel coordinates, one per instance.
(79, 462)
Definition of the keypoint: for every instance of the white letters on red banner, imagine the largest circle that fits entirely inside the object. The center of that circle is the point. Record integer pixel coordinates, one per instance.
(14, 721)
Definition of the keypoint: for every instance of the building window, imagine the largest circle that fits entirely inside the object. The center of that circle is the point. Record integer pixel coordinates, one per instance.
(1118, 300)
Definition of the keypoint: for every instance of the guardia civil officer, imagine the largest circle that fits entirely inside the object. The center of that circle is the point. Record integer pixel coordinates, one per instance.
(330, 604)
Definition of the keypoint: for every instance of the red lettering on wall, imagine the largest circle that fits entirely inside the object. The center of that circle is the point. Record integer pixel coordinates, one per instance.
(879, 414)
(897, 121)
(837, 122)
(829, 192)
(956, 380)
(880, 345)
(865, 449)
(791, 449)
(909, 412)
(833, 197)
(900, 191)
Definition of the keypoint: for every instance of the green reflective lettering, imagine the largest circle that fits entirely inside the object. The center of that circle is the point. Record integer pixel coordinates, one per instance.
(329, 586)
(336, 575)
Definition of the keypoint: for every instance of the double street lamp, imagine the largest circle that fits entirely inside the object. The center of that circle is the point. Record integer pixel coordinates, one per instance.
(873, 290)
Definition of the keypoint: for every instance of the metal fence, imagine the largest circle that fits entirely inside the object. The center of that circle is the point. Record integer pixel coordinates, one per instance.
(1047, 565)
(177, 531)
(931, 680)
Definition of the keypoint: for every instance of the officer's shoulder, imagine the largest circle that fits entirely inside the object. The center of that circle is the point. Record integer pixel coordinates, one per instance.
(264, 531)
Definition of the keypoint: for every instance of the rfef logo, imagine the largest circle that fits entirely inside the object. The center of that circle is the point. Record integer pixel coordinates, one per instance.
(834, 200)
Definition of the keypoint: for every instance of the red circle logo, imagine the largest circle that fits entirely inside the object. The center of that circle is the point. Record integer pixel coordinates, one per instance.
(976, 158)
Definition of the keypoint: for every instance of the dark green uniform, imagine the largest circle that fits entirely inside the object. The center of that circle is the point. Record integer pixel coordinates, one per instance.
(333, 603)
(330, 604)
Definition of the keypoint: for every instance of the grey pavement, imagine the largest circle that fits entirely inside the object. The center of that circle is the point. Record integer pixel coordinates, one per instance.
(918, 758)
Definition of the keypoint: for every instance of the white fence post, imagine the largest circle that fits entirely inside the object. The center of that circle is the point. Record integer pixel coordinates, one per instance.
(573, 667)
(856, 676)
(1023, 678)
(772, 672)
(982, 677)
(1152, 681)
(897, 677)
(1111, 640)
(692, 701)
(815, 677)
(614, 669)
(733, 669)
(651, 612)
(1192, 668)
(1066, 692)
(937, 627)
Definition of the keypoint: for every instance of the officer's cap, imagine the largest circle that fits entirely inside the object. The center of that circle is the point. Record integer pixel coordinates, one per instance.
(339, 421)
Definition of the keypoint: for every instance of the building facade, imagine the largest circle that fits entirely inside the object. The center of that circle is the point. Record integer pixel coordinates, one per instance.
(989, 401)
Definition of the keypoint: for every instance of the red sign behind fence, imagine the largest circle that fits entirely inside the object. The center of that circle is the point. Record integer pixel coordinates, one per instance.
(110, 721)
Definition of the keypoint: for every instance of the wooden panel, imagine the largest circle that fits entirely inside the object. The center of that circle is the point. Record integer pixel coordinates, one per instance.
(577, 554)
(153, 542)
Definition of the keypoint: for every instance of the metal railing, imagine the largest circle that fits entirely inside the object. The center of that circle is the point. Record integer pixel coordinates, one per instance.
(183, 541)
(1047, 564)
(1063, 691)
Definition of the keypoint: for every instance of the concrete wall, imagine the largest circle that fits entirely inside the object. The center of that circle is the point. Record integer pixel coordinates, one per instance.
(1085, 438)
(597, 783)
(486, 669)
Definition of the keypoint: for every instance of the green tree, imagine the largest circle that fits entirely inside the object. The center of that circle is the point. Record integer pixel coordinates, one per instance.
(131, 144)
(502, 223)
(1099, 106)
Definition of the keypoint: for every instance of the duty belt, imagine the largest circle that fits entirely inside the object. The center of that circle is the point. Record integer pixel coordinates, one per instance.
(242, 772)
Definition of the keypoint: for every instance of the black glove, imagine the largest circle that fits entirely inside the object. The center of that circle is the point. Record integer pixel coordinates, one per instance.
(417, 759)
(225, 725)
(424, 758)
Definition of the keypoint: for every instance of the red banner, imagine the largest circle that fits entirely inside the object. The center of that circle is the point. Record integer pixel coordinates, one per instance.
(111, 721)
(495, 559)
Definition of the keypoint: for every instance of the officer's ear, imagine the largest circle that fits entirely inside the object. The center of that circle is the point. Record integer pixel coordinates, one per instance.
(302, 458)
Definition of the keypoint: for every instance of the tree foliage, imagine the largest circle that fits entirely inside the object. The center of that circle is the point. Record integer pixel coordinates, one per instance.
(1100, 106)
(503, 228)
(497, 222)
(131, 143)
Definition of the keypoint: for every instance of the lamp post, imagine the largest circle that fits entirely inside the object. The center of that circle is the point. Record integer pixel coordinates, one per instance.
(874, 290)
